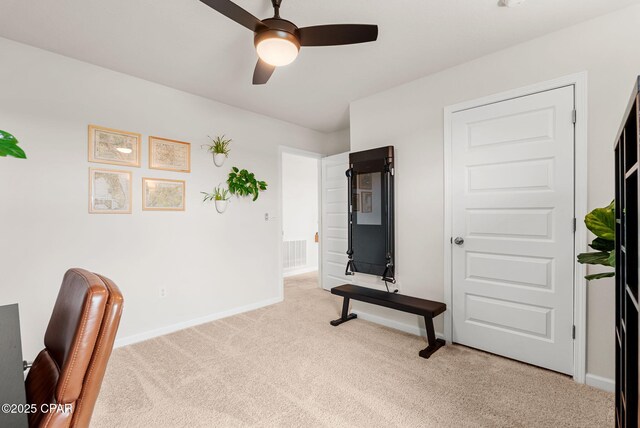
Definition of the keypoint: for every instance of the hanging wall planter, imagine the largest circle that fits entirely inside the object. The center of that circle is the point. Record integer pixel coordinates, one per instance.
(219, 158)
(219, 147)
(221, 205)
(220, 196)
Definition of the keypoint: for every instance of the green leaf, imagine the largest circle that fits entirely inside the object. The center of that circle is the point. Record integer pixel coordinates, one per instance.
(9, 146)
(612, 259)
(595, 276)
(601, 222)
(244, 183)
(600, 258)
(9, 138)
(7, 149)
(600, 244)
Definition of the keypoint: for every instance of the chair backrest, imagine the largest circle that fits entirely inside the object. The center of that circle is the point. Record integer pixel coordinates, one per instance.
(68, 372)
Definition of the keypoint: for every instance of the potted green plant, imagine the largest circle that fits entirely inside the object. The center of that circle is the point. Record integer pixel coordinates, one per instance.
(220, 196)
(9, 146)
(219, 147)
(601, 222)
(244, 183)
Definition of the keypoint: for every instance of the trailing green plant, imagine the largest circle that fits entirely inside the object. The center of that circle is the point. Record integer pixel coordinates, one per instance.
(244, 183)
(218, 194)
(9, 146)
(601, 222)
(219, 145)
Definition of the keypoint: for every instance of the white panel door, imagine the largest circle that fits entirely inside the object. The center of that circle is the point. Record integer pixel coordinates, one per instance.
(333, 239)
(513, 207)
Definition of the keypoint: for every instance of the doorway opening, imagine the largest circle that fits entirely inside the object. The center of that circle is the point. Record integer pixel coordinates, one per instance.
(300, 218)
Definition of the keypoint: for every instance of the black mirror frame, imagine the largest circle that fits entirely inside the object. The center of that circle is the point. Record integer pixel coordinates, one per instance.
(385, 156)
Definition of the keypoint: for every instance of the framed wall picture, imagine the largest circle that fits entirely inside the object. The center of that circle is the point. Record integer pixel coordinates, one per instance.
(365, 181)
(169, 155)
(109, 191)
(159, 194)
(114, 147)
(367, 202)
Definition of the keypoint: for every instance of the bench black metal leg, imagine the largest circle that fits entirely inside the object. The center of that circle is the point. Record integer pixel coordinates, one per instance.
(345, 314)
(434, 344)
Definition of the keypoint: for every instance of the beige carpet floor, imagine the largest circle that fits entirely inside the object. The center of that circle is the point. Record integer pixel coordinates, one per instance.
(285, 366)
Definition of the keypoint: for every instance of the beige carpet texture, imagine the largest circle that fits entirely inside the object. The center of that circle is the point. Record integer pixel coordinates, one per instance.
(285, 366)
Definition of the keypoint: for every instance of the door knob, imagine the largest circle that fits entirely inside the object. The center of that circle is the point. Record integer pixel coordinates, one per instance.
(458, 241)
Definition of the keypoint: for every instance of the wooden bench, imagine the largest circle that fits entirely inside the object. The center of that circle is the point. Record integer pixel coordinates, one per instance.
(413, 305)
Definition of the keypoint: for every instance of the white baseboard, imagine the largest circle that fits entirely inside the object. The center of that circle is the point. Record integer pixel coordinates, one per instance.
(191, 323)
(600, 382)
(407, 328)
(300, 271)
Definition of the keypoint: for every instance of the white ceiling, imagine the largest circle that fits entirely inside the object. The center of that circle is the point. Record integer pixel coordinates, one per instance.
(186, 45)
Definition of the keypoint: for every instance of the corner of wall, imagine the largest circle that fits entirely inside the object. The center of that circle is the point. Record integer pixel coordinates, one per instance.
(338, 142)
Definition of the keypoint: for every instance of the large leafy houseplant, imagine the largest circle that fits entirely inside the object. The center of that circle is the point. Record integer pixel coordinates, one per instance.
(244, 183)
(602, 223)
(9, 146)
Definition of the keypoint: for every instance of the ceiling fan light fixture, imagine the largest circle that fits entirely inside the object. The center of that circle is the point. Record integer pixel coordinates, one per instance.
(277, 47)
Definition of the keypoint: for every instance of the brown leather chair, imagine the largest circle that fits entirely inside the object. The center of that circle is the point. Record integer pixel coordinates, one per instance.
(68, 372)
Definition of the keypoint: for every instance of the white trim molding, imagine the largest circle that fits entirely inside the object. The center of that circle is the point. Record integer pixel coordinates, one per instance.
(579, 82)
(140, 337)
(300, 271)
(600, 382)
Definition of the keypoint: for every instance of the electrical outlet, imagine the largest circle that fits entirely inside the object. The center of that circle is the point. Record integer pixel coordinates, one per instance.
(163, 292)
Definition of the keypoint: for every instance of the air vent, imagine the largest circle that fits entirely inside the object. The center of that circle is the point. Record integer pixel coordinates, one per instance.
(294, 254)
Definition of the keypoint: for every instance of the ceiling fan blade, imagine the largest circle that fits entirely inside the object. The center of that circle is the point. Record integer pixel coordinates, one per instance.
(262, 73)
(235, 12)
(338, 34)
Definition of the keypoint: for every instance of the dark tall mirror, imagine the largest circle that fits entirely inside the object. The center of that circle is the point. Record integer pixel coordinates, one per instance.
(371, 235)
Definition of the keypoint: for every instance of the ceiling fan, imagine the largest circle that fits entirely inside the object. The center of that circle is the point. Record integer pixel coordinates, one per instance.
(278, 41)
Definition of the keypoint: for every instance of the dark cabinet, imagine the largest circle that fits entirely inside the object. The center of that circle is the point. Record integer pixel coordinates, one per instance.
(626, 208)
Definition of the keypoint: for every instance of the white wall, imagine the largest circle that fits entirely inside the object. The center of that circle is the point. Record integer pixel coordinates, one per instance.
(338, 142)
(210, 264)
(300, 205)
(410, 117)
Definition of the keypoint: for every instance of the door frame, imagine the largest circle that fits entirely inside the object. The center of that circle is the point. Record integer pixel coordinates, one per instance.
(324, 163)
(579, 81)
(308, 154)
